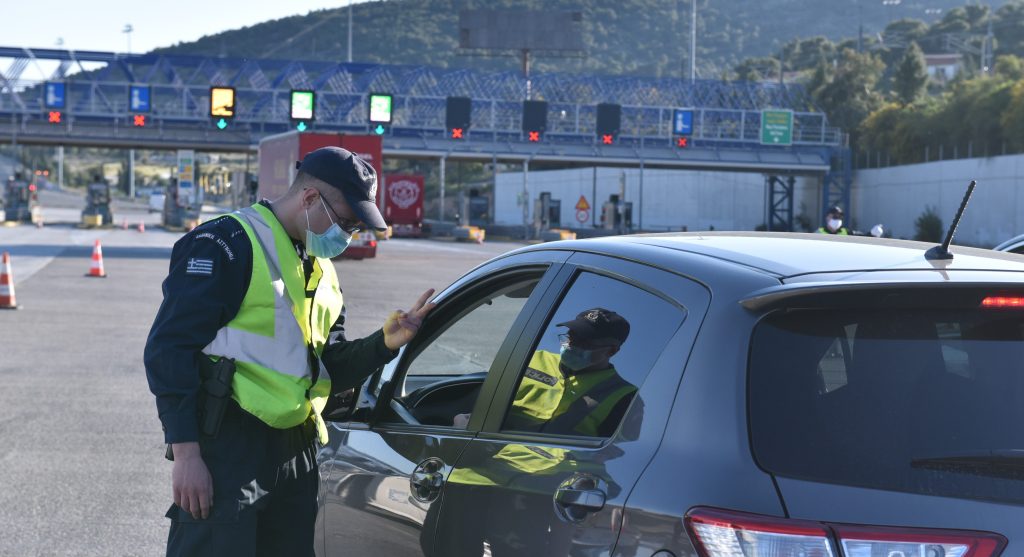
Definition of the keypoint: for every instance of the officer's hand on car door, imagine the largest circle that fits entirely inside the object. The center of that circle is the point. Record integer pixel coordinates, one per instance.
(401, 326)
(193, 486)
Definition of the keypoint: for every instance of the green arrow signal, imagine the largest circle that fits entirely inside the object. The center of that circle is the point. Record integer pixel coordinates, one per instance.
(301, 127)
(222, 123)
(379, 130)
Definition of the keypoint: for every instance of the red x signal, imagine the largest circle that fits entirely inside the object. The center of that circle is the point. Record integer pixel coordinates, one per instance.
(55, 116)
(534, 136)
(607, 139)
(682, 142)
(139, 120)
(456, 133)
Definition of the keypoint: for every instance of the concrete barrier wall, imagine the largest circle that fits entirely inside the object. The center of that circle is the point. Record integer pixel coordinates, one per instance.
(896, 196)
(671, 199)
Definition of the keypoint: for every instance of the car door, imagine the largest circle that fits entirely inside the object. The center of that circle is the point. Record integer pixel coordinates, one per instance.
(383, 470)
(555, 484)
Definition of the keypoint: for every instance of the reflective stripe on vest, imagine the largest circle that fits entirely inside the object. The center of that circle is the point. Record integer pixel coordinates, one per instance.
(270, 336)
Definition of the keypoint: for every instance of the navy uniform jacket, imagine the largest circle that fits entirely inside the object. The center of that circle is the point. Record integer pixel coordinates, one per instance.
(209, 275)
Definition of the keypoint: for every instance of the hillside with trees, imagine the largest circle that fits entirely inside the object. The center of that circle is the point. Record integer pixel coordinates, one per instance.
(863, 61)
(622, 37)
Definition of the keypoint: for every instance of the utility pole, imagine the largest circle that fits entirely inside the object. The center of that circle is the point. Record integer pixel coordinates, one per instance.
(986, 49)
(349, 31)
(693, 40)
(860, 28)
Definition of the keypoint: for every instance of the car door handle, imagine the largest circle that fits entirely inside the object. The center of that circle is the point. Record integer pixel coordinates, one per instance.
(591, 500)
(427, 480)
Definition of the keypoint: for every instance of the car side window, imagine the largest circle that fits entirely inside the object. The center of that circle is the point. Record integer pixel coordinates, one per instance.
(444, 376)
(592, 358)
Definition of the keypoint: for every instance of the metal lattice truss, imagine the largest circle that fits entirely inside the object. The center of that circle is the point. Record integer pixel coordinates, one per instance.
(724, 111)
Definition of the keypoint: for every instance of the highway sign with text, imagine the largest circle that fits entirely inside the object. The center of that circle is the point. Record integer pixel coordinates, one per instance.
(776, 127)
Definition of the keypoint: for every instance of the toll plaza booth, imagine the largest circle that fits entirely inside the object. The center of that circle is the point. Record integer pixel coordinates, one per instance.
(21, 201)
(181, 211)
(97, 205)
(547, 212)
(617, 215)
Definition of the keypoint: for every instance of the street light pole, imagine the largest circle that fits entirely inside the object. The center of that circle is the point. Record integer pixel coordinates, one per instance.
(128, 33)
(693, 40)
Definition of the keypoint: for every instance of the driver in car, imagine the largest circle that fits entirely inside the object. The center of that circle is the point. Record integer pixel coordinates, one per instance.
(577, 391)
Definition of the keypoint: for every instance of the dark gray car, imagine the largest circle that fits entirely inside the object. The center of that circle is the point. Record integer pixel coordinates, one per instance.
(770, 395)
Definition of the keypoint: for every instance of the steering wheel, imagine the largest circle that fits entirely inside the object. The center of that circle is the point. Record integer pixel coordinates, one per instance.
(404, 412)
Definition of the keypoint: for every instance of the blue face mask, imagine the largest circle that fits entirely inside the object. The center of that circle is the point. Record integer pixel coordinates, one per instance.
(575, 359)
(331, 243)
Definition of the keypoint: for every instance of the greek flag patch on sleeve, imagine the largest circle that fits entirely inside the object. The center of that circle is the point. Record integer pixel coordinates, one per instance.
(199, 267)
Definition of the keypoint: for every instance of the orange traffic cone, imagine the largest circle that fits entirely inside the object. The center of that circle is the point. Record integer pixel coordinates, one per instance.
(96, 270)
(7, 284)
(142, 226)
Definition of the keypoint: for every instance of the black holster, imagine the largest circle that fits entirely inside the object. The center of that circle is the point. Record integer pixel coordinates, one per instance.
(214, 395)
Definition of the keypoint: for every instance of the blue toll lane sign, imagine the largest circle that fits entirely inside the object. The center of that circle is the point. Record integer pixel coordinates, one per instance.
(54, 93)
(682, 122)
(138, 98)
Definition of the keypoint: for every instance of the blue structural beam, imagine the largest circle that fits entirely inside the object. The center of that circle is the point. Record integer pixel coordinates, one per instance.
(726, 130)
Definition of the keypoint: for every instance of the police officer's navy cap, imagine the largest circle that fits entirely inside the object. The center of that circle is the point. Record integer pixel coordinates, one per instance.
(599, 324)
(353, 176)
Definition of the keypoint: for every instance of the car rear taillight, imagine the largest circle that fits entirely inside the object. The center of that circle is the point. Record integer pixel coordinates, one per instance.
(720, 533)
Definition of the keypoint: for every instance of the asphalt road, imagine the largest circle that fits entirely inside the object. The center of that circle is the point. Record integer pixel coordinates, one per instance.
(81, 455)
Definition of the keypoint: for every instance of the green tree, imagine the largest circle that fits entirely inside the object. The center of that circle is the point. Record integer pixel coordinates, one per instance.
(1012, 119)
(850, 94)
(1008, 26)
(911, 76)
(757, 69)
(805, 54)
(1009, 66)
(928, 226)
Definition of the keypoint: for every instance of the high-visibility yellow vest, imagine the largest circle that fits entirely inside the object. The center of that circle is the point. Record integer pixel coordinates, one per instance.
(582, 401)
(280, 317)
(841, 232)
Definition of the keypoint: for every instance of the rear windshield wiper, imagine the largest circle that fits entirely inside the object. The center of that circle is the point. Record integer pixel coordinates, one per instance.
(999, 463)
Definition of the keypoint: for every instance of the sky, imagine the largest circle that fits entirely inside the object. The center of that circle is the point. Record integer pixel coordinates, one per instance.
(98, 24)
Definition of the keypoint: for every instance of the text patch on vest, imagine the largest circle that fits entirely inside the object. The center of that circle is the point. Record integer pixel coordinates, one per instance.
(541, 376)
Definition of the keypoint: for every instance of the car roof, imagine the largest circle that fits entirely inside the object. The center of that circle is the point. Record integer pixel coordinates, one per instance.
(786, 255)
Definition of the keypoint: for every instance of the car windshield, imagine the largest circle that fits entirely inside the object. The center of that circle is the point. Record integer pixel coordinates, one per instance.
(925, 401)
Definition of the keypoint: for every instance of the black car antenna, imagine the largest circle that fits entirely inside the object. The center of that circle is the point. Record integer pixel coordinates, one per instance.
(942, 252)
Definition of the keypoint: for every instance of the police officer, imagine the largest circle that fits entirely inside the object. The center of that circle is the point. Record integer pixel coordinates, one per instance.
(256, 290)
(834, 222)
(577, 391)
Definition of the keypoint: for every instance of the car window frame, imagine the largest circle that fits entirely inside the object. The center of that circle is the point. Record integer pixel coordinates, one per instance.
(619, 269)
(452, 303)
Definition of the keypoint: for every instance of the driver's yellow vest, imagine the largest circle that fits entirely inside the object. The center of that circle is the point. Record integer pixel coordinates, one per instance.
(580, 402)
(280, 317)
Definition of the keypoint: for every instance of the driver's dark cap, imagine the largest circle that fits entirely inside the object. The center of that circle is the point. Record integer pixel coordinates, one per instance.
(353, 176)
(599, 326)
